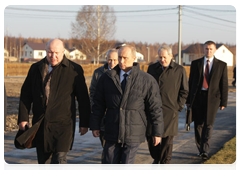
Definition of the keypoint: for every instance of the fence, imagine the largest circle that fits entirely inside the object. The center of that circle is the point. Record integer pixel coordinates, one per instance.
(21, 69)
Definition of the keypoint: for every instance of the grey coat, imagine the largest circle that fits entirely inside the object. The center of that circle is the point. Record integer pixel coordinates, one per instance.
(173, 86)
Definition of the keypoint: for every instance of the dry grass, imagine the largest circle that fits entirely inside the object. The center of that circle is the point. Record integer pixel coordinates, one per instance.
(227, 155)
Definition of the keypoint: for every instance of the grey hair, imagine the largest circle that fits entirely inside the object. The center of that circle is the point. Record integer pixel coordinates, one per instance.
(165, 47)
(133, 50)
(110, 51)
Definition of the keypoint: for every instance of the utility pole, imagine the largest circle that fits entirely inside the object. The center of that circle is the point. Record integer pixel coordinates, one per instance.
(98, 33)
(179, 37)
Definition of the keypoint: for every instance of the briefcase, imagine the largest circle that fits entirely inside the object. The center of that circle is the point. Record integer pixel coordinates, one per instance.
(188, 119)
(25, 139)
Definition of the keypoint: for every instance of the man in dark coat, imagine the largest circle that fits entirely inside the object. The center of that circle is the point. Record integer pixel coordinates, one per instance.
(172, 81)
(234, 76)
(112, 61)
(51, 87)
(208, 91)
(125, 93)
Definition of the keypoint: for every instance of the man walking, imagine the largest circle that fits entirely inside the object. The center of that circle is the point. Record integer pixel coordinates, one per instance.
(51, 87)
(173, 85)
(208, 91)
(124, 93)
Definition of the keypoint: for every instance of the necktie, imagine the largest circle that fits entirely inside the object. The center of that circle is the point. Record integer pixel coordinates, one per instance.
(47, 87)
(206, 76)
(123, 84)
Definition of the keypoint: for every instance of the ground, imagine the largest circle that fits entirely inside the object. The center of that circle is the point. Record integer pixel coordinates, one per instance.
(13, 87)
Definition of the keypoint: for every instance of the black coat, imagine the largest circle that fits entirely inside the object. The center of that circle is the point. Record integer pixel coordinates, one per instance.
(126, 119)
(67, 83)
(217, 88)
(173, 86)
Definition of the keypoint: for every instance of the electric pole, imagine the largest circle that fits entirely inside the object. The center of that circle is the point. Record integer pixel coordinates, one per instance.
(179, 37)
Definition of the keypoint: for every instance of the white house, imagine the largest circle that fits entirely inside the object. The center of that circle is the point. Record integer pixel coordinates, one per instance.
(139, 57)
(75, 54)
(6, 53)
(195, 51)
(33, 50)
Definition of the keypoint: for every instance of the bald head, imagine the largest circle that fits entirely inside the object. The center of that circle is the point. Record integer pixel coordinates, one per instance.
(55, 51)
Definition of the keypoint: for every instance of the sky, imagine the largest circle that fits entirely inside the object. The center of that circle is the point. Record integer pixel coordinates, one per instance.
(157, 25)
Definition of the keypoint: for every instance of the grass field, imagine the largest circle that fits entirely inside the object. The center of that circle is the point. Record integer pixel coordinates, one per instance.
(227, 155)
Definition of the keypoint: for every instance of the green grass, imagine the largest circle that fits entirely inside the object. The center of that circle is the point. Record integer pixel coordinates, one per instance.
(227, 155)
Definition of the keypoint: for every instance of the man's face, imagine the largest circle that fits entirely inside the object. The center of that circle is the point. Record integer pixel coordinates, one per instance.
(112, 59)
(55, 52)
(125, 59)
(209, 50)
(164, 58)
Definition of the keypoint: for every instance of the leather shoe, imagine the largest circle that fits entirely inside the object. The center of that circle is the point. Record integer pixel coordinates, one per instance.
(155, 164)
(204, 156)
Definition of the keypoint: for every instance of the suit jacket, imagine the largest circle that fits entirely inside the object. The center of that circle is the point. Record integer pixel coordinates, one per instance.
(173, 87)
(217, 88)
(67, 83)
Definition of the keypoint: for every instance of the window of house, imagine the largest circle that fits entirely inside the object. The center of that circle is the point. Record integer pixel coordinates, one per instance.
(30, 53)
(39, 53)
(223, 50)
(26, 53)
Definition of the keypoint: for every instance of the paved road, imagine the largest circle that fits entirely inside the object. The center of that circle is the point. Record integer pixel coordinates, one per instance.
(87, 149)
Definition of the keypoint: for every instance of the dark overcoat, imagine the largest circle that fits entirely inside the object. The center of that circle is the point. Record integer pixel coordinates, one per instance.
(67, 83)
(126, 116)
(173, 86)
(217, 88)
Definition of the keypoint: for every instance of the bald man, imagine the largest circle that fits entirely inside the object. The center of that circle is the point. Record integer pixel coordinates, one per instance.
(51, 87)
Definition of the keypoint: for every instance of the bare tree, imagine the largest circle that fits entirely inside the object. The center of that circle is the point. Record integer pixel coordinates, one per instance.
(94, 25)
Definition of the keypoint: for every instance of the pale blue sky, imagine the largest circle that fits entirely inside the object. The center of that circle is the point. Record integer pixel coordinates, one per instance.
(199, 23)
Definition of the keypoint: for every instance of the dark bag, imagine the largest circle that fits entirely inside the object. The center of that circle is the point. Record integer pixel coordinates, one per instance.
(25, 139)
(188, 119)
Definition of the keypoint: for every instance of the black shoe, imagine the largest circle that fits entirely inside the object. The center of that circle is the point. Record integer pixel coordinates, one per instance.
(204, 156)
(199, 154)
(155, 164)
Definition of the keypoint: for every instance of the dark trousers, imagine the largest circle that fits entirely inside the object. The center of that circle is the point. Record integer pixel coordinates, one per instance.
(203, 131)
(51, 160)
(162, 153)
(116, 153)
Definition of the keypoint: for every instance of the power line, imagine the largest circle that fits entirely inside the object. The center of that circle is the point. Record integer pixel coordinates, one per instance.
(62, 11)
(208, 27)
(209, 16)
(205, 9)
(208, 21)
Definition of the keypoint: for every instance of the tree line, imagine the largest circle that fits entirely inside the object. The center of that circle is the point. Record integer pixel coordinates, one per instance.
(13, 45)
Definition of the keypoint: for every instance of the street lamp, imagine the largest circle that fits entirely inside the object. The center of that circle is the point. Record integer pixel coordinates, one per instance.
(148, 53)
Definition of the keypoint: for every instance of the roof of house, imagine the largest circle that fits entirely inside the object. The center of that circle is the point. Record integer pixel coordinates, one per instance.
(36, 46)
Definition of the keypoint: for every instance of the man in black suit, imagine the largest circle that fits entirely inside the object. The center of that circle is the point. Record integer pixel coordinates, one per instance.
(208, 91)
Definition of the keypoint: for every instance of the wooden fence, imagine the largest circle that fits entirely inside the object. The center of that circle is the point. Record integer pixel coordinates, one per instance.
(21, 69)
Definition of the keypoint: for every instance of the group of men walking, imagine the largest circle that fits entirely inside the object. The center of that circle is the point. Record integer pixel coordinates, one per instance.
(126, 105)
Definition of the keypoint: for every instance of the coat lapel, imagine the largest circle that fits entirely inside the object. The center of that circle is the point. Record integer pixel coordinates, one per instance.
(213, 70)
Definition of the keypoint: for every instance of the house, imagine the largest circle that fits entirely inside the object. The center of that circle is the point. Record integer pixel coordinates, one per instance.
(74, 54)
(139, 56)
(195, 51)
(6, 53)
(32, 50)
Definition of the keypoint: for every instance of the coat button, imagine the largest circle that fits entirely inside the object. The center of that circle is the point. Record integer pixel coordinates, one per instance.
(120, 108)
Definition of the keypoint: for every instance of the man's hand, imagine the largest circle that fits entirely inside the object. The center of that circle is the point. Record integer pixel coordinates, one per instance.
(83, 130)
(96, 133)
(156, 140)
(221, 107)
(22, 125)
